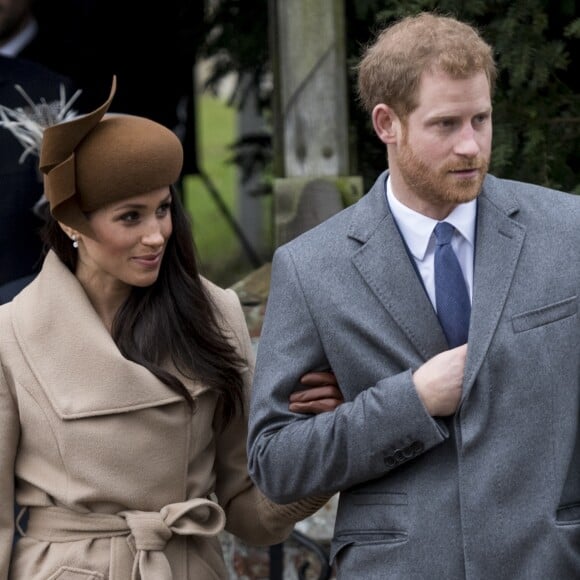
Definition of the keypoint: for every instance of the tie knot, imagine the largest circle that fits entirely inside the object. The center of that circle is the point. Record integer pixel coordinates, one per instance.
(443, 233)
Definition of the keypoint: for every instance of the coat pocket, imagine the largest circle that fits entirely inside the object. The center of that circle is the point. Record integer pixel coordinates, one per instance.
(68, 573)
(568, 514)
(545, 314)
(368, 517)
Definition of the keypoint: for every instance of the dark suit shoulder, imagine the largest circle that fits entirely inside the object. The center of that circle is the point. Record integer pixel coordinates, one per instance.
(37, 80)
(9, 290)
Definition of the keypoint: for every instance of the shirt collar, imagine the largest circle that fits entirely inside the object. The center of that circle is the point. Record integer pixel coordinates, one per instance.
(417, 228)
(17, 43)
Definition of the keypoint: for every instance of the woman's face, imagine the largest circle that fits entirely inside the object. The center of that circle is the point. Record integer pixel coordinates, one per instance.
(130, 240)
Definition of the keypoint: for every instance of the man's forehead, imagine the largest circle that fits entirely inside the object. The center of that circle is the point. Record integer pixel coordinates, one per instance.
(439, 89)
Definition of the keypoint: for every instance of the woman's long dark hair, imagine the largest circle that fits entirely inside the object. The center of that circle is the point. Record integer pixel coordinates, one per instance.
(173, 319)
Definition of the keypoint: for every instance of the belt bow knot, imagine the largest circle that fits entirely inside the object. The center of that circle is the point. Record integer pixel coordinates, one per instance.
(150, 532)
(138, 538)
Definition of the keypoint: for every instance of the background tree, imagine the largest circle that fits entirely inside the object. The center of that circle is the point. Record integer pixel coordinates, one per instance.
(152, 52)
(536, 104)
(236, 42)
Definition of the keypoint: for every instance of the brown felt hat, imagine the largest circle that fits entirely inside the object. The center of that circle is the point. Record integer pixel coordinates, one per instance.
(96, 159)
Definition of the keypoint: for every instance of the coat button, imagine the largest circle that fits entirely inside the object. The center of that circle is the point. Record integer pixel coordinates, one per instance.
(417, 447)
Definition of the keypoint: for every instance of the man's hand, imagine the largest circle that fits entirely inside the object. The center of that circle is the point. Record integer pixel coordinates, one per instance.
(320, 395)
(439, 381)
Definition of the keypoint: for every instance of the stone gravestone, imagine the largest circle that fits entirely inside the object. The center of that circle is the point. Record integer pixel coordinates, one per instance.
(300, 203)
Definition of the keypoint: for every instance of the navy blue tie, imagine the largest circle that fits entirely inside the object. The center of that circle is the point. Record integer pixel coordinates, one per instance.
(451, 296)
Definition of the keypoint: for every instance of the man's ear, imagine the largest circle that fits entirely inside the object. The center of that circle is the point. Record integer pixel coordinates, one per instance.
(386, 123)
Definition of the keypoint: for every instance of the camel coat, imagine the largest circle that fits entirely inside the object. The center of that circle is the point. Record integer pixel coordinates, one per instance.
(121, 480)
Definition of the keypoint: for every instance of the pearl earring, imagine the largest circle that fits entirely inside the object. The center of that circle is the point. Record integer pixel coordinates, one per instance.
(74, 241)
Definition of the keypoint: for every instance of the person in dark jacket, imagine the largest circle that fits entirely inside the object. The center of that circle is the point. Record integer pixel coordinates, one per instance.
(20, 221)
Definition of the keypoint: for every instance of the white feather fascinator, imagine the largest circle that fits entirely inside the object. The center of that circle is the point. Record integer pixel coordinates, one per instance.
(90, 160)
(27, 124)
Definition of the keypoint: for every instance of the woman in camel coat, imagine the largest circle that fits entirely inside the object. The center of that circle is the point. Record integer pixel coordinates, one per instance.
(124, 377)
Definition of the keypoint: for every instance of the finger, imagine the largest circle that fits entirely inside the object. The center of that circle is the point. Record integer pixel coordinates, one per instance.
(318, 378)
(315, 407)
(316, 393)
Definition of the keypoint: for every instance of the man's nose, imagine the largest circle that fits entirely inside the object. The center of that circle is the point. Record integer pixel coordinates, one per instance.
(467, 144)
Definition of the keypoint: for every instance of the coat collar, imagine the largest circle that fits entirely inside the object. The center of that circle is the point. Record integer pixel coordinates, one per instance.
(72, 355)
(383, 262)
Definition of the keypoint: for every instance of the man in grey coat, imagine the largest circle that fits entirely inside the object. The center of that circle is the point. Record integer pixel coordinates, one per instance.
(457, 450)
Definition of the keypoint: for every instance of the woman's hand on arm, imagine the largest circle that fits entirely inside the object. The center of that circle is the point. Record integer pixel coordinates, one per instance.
(320, 394)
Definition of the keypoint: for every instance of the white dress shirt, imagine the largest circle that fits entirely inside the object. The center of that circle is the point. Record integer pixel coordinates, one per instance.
(417, 231)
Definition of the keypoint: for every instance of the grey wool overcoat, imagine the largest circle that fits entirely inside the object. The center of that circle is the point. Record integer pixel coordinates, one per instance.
(492, 492)
(122, 480)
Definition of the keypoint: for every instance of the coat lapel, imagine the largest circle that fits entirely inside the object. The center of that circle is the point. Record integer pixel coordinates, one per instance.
(383, 262)
(499, 242)
(386, 267)
(71, 353)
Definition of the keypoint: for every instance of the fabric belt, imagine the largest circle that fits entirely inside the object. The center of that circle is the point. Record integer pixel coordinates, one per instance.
(138, 538)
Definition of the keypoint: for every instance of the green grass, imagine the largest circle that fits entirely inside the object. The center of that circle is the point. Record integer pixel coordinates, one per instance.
(216, 244)
(221, 255)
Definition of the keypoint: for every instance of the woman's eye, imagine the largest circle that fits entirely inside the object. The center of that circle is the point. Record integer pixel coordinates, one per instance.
(130, 217)
(164, 209)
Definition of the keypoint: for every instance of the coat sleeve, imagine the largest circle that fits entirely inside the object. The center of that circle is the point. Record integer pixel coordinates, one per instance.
(249, 514)
(9, 434)
(292, 456)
